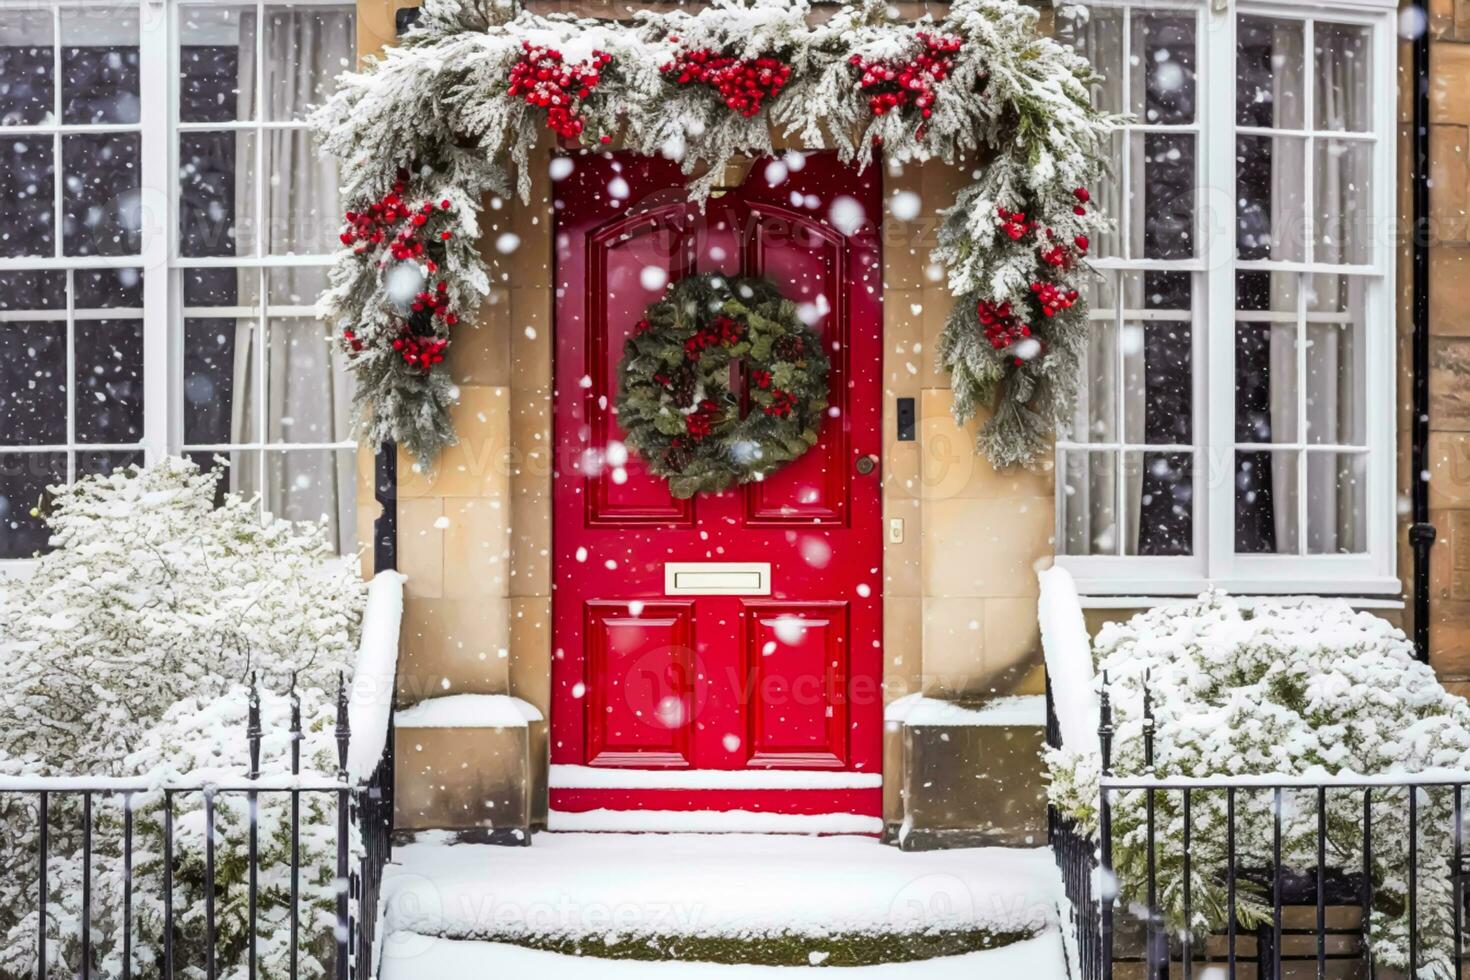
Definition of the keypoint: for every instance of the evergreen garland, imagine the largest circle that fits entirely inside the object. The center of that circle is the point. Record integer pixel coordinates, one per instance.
(675, 405)
(471, 89)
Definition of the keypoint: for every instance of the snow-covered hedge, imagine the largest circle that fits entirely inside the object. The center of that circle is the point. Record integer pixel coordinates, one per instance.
(1308, 689)
(126, 653)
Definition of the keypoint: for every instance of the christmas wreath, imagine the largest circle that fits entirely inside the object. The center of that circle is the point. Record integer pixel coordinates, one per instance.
(675, 404)
(476, 84)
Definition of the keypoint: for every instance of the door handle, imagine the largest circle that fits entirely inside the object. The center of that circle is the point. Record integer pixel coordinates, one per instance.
(866, 464)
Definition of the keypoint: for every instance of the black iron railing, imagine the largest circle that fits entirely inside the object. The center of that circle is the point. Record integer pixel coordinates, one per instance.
(148, 941)
(1321, 916)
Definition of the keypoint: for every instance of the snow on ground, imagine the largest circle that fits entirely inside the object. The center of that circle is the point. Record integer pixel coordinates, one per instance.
(576, 885)
(407, 956)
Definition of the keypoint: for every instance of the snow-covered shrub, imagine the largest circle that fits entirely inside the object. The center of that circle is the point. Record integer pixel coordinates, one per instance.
(153, 593)
(1279, 688)
(126, 654)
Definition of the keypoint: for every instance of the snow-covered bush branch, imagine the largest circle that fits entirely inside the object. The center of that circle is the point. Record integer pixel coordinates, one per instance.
(451, 114)
(1309, 689)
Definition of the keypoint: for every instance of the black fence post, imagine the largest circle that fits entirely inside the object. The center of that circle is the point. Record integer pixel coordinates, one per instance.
(1109, 886)
(294, 966)
(344, 907)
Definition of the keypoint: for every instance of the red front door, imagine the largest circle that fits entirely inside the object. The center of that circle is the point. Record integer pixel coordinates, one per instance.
(761, 703)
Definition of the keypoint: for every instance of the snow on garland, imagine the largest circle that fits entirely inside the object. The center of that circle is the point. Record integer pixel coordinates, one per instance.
(1308, 689)
(452, 113)
(674, 400)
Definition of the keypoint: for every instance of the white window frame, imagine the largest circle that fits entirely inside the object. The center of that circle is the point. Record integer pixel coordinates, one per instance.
(1214, 561)
(163, 312)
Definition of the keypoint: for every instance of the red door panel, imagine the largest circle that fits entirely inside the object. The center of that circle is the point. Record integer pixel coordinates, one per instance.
(796, 658)
(640, 683)
(754, 684)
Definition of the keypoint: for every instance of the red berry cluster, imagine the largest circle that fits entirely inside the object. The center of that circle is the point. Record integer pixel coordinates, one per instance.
(744, 83)
(699, 422)
(890, 85)
(1002, 326)
(782, 404)
(418, 351)
(543, 78)
(436, 304)
(1013, 224)
(761, 379)
(721, 332)
(370, 227)
(1052, 299)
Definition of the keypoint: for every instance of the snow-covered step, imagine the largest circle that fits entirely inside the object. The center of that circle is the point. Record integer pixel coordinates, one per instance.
(568, 885)
(469, 763)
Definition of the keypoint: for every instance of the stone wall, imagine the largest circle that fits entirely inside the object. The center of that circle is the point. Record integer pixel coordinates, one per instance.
(1449, 324)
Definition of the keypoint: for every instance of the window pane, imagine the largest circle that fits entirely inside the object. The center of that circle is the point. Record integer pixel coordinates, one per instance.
(315, 486)
(216, 194)
(1163, 49)
(1097, 399)
(220, 381)
(1160, 214)
(109, 380)
(1270, 197)
(303, 213)
(101, 202)
(99, 65)
(1270, 71)
(27, 64)
(27, 188)
(1097, 34)
(305, 50)
(33, 359)
(1337, 495)
(1158, 507)
(308, 392)
(1158, 376)
(24, 478)
(1266, 383)
(1343, 172)
(1266, 496)
(1089, 489)
(1342, 97)
(1337, 372)
(216, 63)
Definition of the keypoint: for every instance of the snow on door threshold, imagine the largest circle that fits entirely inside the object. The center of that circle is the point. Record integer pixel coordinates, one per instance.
(575, 886)
(595, 777)
(408, 956)
(711, 822)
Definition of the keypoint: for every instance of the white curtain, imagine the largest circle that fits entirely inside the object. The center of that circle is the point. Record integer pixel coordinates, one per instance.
(1091, 485)
(306, 388)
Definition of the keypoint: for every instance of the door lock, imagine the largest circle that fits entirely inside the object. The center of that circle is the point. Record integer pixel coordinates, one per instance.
(866, 465)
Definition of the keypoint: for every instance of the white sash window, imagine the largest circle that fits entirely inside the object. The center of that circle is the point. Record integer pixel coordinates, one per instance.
(1236, 426)
(165, 228)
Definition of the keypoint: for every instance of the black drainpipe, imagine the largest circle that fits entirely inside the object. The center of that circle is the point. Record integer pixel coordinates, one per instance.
(1421, 532)
(385, 492)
